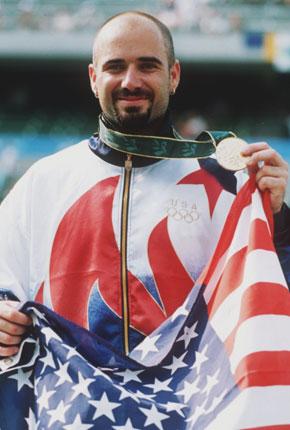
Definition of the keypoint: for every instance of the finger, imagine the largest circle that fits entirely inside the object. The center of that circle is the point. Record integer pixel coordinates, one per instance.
(9, 313)
(272, 171)
(274, 185)
(268, 156)
(254, 147)
(7, 339)
(7, 351)
(12, 328)
(276, 188)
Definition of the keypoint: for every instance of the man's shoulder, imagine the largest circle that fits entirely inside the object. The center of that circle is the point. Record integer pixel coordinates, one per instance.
(64, 160)
(63, 156)
(56, 166)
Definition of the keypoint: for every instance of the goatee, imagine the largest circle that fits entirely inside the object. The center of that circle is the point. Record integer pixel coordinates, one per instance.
(134, 121)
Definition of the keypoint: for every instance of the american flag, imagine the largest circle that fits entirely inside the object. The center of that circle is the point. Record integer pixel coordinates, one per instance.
(221, 361)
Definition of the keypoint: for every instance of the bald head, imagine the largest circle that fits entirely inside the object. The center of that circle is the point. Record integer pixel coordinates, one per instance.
(133, 72)
(128, 21)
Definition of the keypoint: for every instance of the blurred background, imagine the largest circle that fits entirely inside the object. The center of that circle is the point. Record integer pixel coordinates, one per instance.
(235, 57)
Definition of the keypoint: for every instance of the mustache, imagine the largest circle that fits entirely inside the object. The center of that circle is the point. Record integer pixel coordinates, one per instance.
(124, 92)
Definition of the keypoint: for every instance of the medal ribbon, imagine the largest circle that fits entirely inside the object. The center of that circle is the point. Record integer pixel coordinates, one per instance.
(162, 147)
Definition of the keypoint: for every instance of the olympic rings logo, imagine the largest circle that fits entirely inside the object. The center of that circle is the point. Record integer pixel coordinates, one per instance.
(182, 211)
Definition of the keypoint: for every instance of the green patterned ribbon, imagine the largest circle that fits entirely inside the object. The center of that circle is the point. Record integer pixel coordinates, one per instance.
(162, 147)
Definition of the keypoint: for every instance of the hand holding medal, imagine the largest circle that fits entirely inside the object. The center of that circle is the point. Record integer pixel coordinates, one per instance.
(269, 167)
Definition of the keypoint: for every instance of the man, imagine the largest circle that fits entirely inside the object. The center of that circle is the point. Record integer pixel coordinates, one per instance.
(114, 241)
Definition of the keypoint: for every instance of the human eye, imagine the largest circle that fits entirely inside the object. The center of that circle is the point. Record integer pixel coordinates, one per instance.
(114, 67)
(148, 66)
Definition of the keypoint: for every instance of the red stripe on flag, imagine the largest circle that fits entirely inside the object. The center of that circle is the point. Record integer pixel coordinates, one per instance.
(260, 236)
(282, 427)
(261, 369)
(259, 300)
(242, 200)
(230, 279)
(233, 274)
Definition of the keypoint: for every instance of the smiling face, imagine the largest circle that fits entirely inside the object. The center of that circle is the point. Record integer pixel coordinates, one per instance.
(131, 75)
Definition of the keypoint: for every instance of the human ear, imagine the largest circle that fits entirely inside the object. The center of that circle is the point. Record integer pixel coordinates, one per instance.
(174, 76)
(93, 78)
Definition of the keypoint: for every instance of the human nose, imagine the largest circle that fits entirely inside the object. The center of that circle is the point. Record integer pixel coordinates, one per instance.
(131, 79)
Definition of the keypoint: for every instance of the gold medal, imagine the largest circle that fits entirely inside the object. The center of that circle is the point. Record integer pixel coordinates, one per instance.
(228, 153)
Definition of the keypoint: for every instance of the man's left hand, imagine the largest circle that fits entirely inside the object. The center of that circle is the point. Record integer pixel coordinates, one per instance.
(271, 171)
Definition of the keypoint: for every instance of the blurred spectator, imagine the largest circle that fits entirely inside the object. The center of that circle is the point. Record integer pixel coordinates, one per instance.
(63, 20)
(2, 16)
(191, 124)
(27, 18)
(191, 12)
(169, 14)
(86, 14)
(199, 15)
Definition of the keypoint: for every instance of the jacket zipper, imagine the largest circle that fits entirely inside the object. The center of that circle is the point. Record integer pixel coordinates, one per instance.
(124, 233)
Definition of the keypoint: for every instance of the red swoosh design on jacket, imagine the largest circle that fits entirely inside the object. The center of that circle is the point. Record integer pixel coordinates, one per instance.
(212, 187)
(85, 250)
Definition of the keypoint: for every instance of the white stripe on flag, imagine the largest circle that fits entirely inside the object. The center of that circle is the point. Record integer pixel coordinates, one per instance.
(257, 207)
(215, 277)
(239, 241)
(261, 333)
(255, 407)
(260, 266)
(240, 238)
(236, 245)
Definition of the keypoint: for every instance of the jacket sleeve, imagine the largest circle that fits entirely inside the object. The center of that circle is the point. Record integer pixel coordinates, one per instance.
(14, 241)
(282, 239)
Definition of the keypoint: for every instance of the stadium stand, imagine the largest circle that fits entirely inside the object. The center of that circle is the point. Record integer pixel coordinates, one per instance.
(202, 15)
(226, 47)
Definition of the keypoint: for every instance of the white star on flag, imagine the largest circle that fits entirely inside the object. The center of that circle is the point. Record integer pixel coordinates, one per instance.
(43, 399)
(216, 401)
(128, 426)
(82, 387)
(143, 396)
(58, 414)
(22, 379)
(62, 373)
(211, 381)
(181, 311)
(50, 334)
(172, 406)
(47, 361)
(31, 421)
(200, 358)
(128, 394)
(177, 363)
(130, 375)
(153, 416)
(160, 385)
(37, 315)
(147, 345)
(77, 425)
(198, 412)
(72, 352)
(189, 389)
(188, 334)
(104, 407)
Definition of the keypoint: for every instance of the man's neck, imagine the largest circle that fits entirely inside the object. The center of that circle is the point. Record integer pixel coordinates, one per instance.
(160, 127)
